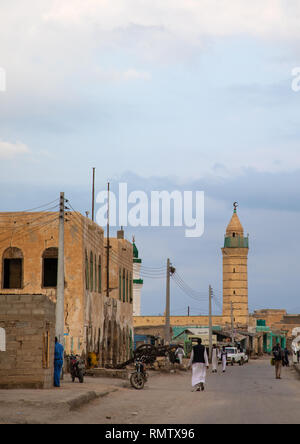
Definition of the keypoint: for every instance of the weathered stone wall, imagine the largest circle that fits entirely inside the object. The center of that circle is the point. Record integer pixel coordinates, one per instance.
(29, 323)
(117, 337)
(143, 321)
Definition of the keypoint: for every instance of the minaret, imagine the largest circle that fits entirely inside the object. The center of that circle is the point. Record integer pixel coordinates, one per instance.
(235, 272)
(137, 281)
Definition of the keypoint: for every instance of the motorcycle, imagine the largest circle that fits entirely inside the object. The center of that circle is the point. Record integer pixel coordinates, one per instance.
(140, 376)
(77, 368)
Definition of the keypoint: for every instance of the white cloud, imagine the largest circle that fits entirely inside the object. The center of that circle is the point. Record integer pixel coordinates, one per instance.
(10, 150)
(188, 18)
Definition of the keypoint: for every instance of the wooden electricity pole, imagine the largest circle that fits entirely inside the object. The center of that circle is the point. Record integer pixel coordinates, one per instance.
(93, 196)
(60, 299)
(210, 323)
(167, 327)
(232, 324)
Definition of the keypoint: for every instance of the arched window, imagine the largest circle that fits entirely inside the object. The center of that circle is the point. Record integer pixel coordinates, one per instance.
(50, 262)
(87, 283)
(12, 269)
(120, 284)
(2, 340)
(233, 234)
(124, 287)
(91, 272)
(130, 289)
(100, 275)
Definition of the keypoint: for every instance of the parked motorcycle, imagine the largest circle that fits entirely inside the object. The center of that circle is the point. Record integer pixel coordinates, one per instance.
(140, 376)
(77, 368)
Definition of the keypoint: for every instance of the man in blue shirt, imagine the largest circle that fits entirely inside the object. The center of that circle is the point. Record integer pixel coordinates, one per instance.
(58, 362)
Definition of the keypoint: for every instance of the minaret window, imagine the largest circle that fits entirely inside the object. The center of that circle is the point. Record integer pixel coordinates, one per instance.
(233, 234)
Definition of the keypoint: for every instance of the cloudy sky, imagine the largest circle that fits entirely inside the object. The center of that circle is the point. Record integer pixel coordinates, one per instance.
(172, 94)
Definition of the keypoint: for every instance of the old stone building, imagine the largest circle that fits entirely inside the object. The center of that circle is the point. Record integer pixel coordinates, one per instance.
(97, 322)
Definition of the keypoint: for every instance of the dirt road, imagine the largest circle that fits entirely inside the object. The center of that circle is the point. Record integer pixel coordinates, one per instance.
(243, 395)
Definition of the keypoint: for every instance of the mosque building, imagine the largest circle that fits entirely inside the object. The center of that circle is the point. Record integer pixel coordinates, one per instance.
(235, 285)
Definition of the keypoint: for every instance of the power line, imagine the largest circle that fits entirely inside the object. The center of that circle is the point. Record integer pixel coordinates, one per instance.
(19, 212)
(21, 231)
(147, 272)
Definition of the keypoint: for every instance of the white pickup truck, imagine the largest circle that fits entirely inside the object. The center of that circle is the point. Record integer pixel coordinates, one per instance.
(235, 357)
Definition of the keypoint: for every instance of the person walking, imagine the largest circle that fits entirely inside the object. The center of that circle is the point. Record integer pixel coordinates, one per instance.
(215, 359)
(278, 357)
(199, 363)
(224, 359)
(180, 354)
(286, 354)
(58, 362)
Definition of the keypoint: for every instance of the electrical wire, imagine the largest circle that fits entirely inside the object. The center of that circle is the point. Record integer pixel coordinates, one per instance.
(21, 230)
(19, 213)
(147, 272)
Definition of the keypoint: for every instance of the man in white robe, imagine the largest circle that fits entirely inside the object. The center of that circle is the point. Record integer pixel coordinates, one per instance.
(224, 359)
(214, 359)
(180, 354)
(199, 363)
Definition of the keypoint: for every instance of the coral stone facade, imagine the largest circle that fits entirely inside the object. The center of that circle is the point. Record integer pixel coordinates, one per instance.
(94, 322)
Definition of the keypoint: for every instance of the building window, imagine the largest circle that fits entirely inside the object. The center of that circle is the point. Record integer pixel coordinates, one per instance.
(120, 284)
(234, 270)
(124, 287)
(100, 275)
(233, 234)
(12, 269)
(91, 272)
(233, 291)
(87, 284)
(127, 296)
(50, 263)
(130, 289)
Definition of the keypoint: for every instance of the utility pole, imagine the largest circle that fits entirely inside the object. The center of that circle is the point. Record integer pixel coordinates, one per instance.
(93, 196)
(232, 324)
(210, 323)
(108, 245)
(188, 311)
(60, 302)
(167, 328)
(170, 270)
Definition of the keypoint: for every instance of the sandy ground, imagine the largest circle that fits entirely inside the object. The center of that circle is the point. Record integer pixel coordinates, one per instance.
(243, 395)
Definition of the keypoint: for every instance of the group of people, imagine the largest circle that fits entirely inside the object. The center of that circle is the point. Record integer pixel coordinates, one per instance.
(280, 359)
(199, 363)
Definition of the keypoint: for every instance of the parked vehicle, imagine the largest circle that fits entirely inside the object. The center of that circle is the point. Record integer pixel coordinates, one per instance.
(140, 376)
(77, 368)
(234, 356)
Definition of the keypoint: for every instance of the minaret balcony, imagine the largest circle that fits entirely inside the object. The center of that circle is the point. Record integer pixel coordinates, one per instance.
(236, 242)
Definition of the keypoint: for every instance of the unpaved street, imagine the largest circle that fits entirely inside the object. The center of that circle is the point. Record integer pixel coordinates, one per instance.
(244, 395)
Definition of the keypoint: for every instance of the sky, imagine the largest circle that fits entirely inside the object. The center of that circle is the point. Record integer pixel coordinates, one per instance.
(162, 95)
